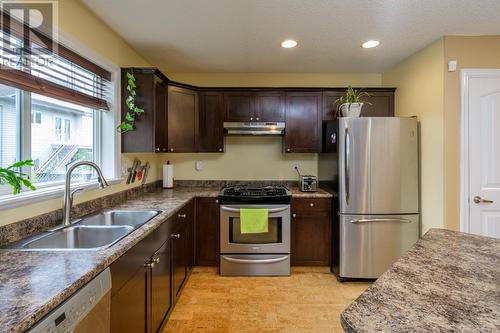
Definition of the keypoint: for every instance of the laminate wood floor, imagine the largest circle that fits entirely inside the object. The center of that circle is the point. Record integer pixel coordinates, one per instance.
(310, 300)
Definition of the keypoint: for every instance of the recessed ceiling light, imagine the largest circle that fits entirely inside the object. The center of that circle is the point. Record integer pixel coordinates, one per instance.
(289, 43)
(369, 44)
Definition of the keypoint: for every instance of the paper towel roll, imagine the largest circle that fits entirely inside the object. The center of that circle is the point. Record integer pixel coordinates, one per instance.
(168, 176)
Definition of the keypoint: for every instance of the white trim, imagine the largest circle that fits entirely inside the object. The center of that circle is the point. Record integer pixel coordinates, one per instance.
(43, 194)
(113, 174)
(465, 76)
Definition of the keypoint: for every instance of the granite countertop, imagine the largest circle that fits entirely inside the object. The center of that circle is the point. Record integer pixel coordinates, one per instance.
(448, 282)
(32, 283)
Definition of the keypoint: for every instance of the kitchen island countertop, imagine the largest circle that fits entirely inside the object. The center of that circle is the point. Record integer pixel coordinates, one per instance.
(447, 282)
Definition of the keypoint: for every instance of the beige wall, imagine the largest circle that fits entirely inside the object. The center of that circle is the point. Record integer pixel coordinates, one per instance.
(419, 82)
(469, 52)
(78, 24)
(246, 158)
(278, 79)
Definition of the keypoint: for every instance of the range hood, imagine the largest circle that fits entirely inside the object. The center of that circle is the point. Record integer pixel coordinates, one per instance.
(254, 128)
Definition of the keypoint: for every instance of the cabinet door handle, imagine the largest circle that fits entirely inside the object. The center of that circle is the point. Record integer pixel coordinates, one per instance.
(182, 216)
(251, 118)
(149, 264)
(157, 149)
(311, 204)
(288, 149)
(220, 149)
(216, 201)
(294, 215)
(156, 260)
(164, 149)
(171, 149)
(257, 118)
(175, 236)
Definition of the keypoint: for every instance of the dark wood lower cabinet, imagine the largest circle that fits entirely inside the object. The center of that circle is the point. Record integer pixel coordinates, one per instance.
(147, 279)
(161, 286)
(180, 257)
(206, 245)
(128, 305)
(311, 232)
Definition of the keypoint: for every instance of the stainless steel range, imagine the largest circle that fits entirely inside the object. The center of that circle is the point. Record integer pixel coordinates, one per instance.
(265, 253)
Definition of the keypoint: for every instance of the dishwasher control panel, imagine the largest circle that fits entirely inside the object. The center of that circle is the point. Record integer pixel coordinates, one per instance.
(74, 310)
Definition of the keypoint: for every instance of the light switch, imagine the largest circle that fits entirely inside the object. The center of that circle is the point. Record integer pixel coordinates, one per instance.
(198, 165)
(452, 66)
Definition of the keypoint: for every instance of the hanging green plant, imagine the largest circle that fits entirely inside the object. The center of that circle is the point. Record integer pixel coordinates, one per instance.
(16, 179)
(134, 111)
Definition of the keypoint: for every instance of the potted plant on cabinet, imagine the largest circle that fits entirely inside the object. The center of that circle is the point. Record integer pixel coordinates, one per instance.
(350, 103)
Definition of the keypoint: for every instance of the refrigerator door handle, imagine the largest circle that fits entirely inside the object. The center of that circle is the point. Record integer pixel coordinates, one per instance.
(381, 220)
(346, 164)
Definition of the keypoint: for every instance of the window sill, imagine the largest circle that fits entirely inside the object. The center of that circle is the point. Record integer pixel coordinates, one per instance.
(26, 198)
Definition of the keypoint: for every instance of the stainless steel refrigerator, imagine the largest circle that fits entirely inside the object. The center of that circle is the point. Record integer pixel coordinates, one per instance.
(378, 189)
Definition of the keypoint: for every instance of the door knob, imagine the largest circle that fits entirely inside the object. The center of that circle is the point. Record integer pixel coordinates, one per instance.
(477, 199)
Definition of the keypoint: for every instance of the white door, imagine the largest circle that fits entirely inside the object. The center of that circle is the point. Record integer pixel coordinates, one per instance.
(483, 104)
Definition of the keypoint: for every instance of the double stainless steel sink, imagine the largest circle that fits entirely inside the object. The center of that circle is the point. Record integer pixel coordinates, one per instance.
(91, 232)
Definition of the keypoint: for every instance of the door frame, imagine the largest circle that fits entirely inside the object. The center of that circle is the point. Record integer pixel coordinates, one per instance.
(465, 76)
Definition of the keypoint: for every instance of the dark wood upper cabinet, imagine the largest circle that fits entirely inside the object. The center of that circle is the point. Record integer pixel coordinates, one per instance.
(210, 136)
(311, 224)
(150, 128)
(206, 232)
(381, 99)
(240, 106)
(182, 119)
(254, 106)
(270, 106)
(303, 122)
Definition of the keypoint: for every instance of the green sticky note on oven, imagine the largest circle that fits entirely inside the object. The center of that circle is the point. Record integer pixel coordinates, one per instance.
(254, 220)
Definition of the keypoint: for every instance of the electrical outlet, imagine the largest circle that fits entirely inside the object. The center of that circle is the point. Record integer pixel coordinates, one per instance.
(295, 166)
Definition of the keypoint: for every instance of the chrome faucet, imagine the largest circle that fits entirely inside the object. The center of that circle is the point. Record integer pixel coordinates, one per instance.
(68, 195)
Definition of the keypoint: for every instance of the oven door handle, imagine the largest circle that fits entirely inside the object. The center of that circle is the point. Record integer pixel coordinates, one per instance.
(256, 261)
(237, 210)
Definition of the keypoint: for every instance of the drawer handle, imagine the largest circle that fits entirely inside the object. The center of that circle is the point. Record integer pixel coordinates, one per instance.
(182, 216)
(311, 204)
(175, 236)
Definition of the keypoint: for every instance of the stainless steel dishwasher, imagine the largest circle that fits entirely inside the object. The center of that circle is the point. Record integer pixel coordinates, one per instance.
(86, 311)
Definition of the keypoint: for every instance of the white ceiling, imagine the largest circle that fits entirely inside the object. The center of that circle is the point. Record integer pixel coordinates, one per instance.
(245, 35)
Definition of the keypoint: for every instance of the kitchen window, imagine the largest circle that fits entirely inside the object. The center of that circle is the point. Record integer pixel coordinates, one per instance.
(56, 113)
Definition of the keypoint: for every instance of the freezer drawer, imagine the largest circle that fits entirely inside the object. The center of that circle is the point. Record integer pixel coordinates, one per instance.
(370, 244)
(378, 165)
